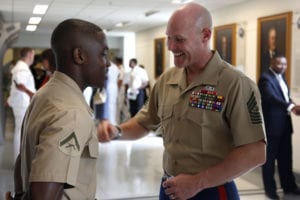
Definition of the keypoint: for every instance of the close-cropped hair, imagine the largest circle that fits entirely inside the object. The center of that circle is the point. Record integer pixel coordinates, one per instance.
(134, 60)
(65, 30)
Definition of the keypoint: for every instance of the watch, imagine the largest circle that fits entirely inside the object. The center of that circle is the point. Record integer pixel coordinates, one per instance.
(119, 134)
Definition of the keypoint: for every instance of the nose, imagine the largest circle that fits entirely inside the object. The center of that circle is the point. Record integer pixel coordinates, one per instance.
(170, 44)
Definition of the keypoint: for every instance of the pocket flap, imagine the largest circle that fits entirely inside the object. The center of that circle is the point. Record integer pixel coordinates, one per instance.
(93, 148)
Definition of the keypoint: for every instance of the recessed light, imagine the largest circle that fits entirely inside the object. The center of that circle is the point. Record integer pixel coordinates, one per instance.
(31, 27)
(40, 9)
(121, 24)
(34, 20)
(181, 1)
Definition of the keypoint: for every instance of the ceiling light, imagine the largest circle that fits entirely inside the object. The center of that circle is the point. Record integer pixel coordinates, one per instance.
(121, 24)
(181, 1)
(40, 9)
(31, 27)
(34, 20)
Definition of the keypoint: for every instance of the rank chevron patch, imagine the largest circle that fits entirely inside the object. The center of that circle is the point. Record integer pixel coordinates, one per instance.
(70, 145)
(253, 110)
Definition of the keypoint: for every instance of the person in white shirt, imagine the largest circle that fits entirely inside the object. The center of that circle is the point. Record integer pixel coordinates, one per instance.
(136, 80)
(19, 100)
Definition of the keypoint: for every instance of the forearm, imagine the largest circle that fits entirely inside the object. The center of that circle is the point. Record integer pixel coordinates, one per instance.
(29, 93)
(46, 190)
(239, 161)
(132, 130)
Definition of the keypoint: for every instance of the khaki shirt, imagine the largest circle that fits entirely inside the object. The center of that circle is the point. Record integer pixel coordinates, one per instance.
(202, 122)
(59, 142)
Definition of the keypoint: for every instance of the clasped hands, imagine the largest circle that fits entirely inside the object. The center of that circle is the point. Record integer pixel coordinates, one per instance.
(296, 110)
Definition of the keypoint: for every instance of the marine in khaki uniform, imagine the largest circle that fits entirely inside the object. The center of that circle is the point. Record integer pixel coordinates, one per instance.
(59, 143)
(208, 113)
(204, 119)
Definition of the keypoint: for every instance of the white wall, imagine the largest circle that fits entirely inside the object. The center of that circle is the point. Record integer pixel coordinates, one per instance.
(145, 49)
(246, 16)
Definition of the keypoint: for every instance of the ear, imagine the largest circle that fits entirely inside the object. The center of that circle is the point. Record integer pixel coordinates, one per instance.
(206, 34)
(78, 56)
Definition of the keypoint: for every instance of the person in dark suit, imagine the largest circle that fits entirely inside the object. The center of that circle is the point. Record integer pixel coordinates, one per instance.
(270, 51)
(277, 106)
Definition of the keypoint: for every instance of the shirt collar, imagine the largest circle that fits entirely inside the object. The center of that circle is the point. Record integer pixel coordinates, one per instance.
(65, 79)
(207, 77)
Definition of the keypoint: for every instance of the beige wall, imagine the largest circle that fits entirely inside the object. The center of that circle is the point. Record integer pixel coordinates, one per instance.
(245, 15)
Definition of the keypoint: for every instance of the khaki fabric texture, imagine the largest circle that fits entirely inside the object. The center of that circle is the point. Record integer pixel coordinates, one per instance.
(198, 138)
(59, 139)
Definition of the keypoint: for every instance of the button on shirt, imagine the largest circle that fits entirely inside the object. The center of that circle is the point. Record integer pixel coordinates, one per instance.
(203, 137)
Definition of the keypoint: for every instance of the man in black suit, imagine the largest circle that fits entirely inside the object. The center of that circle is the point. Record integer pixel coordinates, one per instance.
(277, 106)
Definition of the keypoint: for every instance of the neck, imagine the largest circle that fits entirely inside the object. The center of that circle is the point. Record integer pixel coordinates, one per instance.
(194, 71)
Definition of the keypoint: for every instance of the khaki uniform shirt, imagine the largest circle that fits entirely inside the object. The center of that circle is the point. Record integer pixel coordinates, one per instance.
(59, 142)
(202, 122)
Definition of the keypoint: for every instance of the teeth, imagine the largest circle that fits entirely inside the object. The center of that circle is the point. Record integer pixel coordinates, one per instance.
(178, 54)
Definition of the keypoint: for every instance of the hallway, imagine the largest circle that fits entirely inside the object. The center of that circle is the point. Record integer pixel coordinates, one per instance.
(129, 170)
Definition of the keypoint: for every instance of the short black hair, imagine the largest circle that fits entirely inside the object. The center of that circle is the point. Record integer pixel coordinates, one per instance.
(119, 60)
(134, 60)
(49, 55)
(64, 35)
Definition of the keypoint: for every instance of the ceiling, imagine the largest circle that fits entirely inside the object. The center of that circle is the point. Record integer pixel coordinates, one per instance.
(105, 13)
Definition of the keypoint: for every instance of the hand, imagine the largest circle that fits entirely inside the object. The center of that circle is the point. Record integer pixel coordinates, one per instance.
(181, 187)
(21, 87)
(8, 196)
(296, 110)
(106, 131)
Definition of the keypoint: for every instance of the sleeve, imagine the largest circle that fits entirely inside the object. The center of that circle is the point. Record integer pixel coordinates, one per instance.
(147, 116)
(61, 146)
(20, 77)
(266, 88)
(144, 76)
(244, 112)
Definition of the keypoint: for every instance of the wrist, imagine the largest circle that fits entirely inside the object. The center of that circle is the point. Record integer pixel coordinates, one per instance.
(119, 133)
(18, 195)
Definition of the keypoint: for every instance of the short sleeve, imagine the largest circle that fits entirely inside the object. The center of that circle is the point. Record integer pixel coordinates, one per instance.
(61, 146)
(244, 113)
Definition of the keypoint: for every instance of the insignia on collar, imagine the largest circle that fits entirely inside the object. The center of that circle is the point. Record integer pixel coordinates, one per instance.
(207, 99)
(253, 110)
(70, 145)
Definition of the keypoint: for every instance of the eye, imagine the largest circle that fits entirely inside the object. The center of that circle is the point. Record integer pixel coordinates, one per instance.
(179, 39)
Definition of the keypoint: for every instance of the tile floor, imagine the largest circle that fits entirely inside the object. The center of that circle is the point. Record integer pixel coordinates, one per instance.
(130, 170)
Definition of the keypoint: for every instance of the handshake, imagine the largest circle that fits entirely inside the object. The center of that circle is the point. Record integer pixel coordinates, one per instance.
(296, 110)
